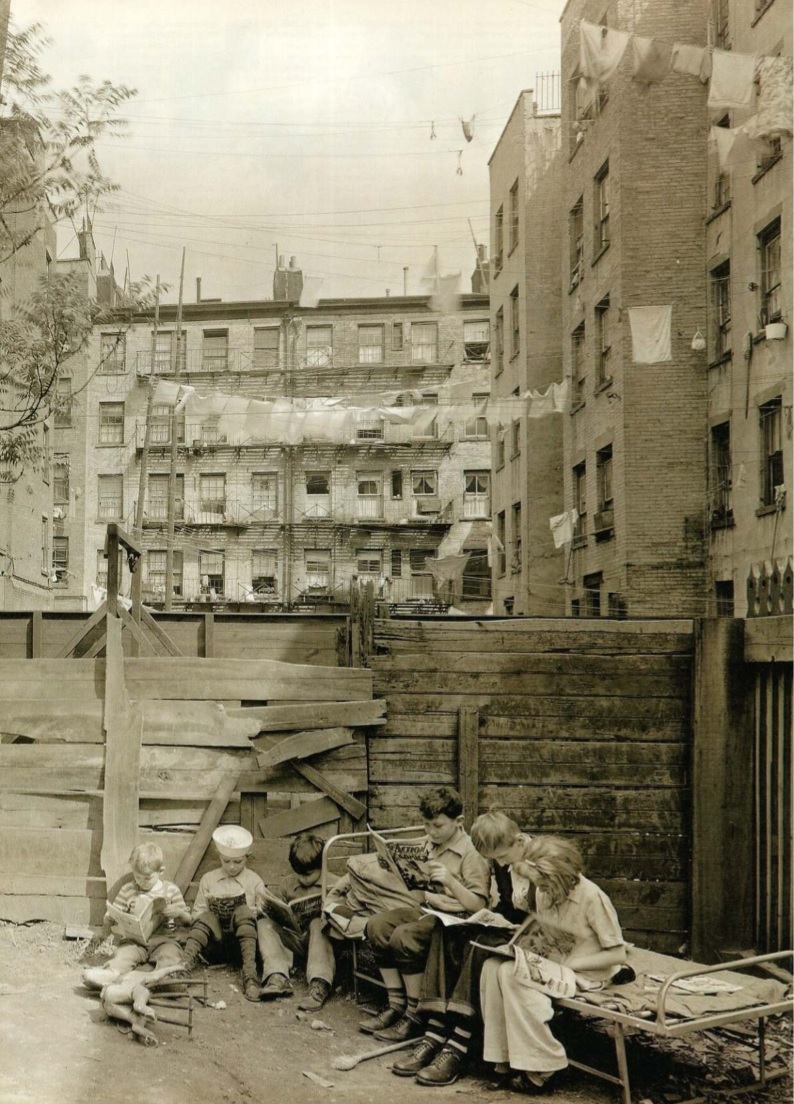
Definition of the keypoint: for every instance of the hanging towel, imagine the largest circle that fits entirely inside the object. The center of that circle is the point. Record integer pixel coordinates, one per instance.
(559, 393)
(601, 50)
(446, 297)
(468, 128)
(732, 144)
(732, 77)
(310, 292)
(540, 403)
(562, 527)
(651, 60)
(650, 334)
(773, 118)
(695, 61)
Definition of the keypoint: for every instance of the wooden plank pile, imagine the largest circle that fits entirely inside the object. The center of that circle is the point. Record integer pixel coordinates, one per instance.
(576, 727)
(96, 754)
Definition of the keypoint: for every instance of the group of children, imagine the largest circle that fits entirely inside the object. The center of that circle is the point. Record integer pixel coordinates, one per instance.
(436, 980)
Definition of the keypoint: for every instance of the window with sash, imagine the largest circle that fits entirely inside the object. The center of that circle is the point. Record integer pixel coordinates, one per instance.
(156, 562)
(370, 344)
(317, 565)
(111, 423)
(112, 354)
(424, 342)
(215, 351)
(266, 347)
(264, 572)
(476, 340)
(576, 242)
(721, 307)
(769, 250)
(601, 206)
(212, 573)
(319, 346)
(213, 493)
(604, 343)
(110, 497)
(476, 494)
(772, 471)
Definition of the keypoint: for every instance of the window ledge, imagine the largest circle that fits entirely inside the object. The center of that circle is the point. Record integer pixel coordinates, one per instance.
(512, 248)
(474, 437)
(723, 522)
(499, 467)
(515, 455)
(514, 355)
(577, 406)
(723, 358)
(576, 147)
(604, 534)
(765, 511)
(574, 284)
(715, 214)
(760, 15)
(770, 164)
(599, 254)
(111, 444)
(603, 386)
(579, 542)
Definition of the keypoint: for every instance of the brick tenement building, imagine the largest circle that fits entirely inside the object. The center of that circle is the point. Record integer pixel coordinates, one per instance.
(748, 249)
(525, 181)
(290, 523)
(635, 440)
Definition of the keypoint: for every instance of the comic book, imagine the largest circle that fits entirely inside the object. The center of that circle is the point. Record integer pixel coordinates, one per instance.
(137, 927)
(295, 915)
(225, 907)
(484, 918)
(529, 948)
(403, 858)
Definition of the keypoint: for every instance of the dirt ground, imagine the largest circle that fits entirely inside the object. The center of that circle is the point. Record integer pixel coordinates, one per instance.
(57, 1047)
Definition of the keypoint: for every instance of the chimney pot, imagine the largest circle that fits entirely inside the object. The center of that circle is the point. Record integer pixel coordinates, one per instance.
(293, 262)
(281, 260)
(198, 289)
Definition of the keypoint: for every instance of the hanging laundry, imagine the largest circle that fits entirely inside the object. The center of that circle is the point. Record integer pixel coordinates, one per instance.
(694, 61)
(732, 79)
(432, 131)
(732, 144)
(773, 118)
(446, 295)
(651, 60)
(170, 393)
(541, 403)
(650, 334)
(562, 527)
(468, 128)
(559, 392)
(447, 568)
(310, 292)
(459, 169)
(601, 51)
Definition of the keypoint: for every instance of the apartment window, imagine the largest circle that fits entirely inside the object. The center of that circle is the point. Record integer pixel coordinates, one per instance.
(723, 597)
(60, 558)
(213, 493)
(266, 347)
(371, 429)
(421, 579)
(476, 581)
(514, 216)
(500, 449)
(112, 354)
(397, 337)
(397, 483)
(160, 425)
(318, 494)
(577, 365)
(369, 562)
(110, 497)
(515, 438)
(369, 489)
(46, 550)
(604, 343)
(721, 477)
(215, 351)
(63, 402)
(580, 502)
(111, 423)
(477, 425)
(157, 498)
(426, 424)
(319, 346)
(499, 358)
(501, 538)
(476, 494)
(60, 482)
(165, 352)
(317, 566)
(424, 342)
(424, 483)
(720, 18)
(576, 241)
(601, 207)
(721, 306)
(604, 522)
(156, 564)
(476, 339)
(264, 571)
(264, 491)
(770, 154)
(515, 320)
(592, 585)
(769, 248)
(772, 475)
(212, 572)
(499, 239)
(517, 542)
(722, 180)
(370, 344)
(396, 563)
(46, 456)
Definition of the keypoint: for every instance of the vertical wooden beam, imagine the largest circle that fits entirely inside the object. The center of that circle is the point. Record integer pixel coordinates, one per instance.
(114, 581)
(209, 822)
(123, 726)
(469, 762)
(35, 634)
(722, 793)
(209, 635)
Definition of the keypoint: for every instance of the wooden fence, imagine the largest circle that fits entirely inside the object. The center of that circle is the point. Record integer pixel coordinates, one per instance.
(576, 727)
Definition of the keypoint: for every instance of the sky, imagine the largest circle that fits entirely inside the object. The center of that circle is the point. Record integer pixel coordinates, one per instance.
(299, 126)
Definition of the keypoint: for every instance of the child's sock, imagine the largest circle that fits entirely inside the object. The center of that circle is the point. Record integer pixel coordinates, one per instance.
(396, 997)
(460, 1038)
(436, 1030)
(412, 1007)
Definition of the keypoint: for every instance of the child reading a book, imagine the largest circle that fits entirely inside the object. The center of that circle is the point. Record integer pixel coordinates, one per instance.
(147, 911)
(299, 929)
(226, 908)
(579, 917)
(460, 879)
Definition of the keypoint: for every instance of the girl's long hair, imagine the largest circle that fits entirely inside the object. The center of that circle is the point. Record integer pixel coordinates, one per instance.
(558, 860)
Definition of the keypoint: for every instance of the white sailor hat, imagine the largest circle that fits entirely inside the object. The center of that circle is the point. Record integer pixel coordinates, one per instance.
(232, 841)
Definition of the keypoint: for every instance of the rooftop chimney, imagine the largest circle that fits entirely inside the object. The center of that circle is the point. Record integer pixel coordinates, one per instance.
(287, 282)
(481, 277)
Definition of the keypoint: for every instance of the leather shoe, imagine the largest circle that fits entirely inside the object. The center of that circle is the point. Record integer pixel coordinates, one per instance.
(535, 1084)
(406, 1028)
(384, 1019)
(422, 1055)
(445, 1068)
(277, 985)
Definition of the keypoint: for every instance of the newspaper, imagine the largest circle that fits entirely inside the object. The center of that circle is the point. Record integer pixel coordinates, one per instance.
(700, 984)
(225, 907)
(295, 915)
(403, 859)
(137, 927)
(535, 971)
(484, 918)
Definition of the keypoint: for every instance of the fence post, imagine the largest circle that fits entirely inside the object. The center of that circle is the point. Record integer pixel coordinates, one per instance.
(722, 792)
(469, 762)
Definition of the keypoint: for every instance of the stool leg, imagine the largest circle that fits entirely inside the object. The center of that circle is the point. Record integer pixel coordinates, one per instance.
(623, 1066)
(762, 1051)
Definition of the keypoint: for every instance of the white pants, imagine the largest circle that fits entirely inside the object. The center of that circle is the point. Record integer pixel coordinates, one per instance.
(277, 957)
(516, 1022)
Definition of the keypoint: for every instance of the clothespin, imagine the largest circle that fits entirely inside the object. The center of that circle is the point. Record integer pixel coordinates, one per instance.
(432, 131)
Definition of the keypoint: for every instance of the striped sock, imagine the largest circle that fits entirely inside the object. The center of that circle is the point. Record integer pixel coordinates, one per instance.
(412, 1007)
(460, 1039)
(436, 1030)
(396, 998)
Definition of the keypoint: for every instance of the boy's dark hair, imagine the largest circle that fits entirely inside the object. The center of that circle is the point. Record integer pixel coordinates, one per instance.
(441, 799)
(306, 853)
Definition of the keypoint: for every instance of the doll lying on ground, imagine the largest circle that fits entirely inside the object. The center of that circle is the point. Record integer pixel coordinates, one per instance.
(126, 996)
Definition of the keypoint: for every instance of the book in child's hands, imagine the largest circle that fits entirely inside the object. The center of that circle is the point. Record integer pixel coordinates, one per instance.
(403, 859)
(484, 918)
(295, 915)
(225, 907)
(137, 926)
(537, 972)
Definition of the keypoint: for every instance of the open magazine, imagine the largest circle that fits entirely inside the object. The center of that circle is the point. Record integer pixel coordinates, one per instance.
(137, 927)
(295, 915)
(403, 858)
(224, 908)
(535, 971)
(484, 918)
